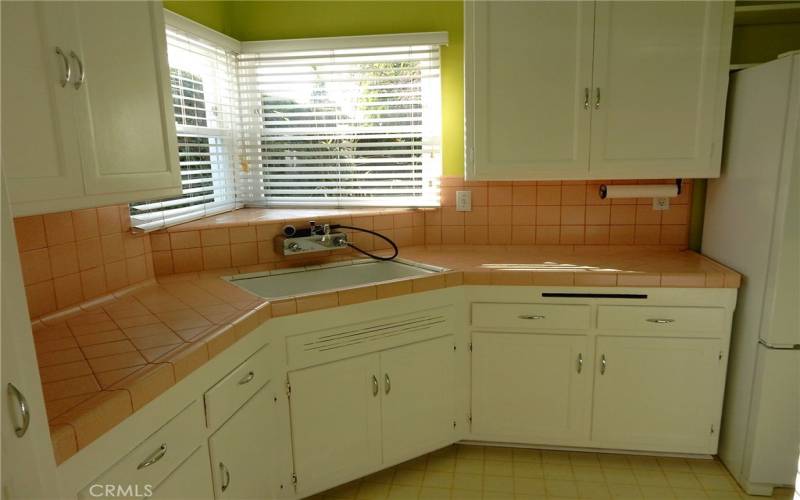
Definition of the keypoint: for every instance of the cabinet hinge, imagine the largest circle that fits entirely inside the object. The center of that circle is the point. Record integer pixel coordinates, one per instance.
(288, 389)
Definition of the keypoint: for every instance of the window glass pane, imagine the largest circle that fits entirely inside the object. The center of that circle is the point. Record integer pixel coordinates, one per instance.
(343, 127)
(203, 84)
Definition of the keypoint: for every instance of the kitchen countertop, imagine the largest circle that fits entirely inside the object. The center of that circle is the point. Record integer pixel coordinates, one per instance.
(101, 362)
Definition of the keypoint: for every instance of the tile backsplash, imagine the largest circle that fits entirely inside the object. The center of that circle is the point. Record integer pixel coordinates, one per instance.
(198, 247)
(555, 213)
(72, 257)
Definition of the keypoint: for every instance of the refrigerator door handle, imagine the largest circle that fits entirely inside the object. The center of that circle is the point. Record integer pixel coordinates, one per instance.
(787, 347)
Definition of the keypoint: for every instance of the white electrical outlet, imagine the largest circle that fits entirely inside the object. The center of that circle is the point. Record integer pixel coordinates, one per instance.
(660, 203)
(463, 201)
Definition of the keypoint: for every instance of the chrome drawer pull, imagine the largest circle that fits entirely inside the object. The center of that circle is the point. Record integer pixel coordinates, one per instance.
(530, 316)
(226, 476)
(374, 385)
(580, 362)
(67, 68)
(22, 404)
(660, 321)
(247, 378)
(81, 73)
(603, 364)
(154, 457)
(387, 382)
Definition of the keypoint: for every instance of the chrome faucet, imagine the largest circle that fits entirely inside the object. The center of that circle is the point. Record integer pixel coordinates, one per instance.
(326, 234)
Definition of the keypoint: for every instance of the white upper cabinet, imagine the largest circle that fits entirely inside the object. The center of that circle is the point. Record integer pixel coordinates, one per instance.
(661, 74)
(124, 105)
(529, 70)
(585, 90)
(87, 114)
(40, 153)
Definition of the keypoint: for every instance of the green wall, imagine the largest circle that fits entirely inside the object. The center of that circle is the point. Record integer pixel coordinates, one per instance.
(214, 14)
(269, 20)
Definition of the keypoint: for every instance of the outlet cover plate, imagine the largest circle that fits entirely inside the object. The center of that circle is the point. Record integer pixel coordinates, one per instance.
(463, 201)
(661, 203)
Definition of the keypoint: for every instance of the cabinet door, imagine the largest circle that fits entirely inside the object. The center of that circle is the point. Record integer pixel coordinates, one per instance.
(661, 394)
(661, 74)
(28, 470)
(530, 387)
(192, 479)
(124, 111)
(40, 154)
(528, 66)
(242, 450)
(335, 415)
(419, 394)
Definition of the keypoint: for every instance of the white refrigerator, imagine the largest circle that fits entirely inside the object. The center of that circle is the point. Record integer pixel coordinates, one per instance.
(752, 224)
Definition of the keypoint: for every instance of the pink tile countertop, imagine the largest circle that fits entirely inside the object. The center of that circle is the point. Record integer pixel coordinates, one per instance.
(102, 361)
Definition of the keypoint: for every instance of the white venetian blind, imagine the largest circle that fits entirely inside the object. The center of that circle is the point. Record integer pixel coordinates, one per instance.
(205, 100)
(325, 124)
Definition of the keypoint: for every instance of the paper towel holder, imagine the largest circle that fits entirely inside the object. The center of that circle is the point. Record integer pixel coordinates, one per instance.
(604, 190)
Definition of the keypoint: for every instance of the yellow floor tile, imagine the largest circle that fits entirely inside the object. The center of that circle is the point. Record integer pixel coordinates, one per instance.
(372, 491)
(408, 477)
(586, 473)
(561, 488)
(498, 484)
(529, 486)
(469, 482)
(495, 468)
(469, 466)
(466, 472)
(557, 471)
(438, 480)
(528, 469)
(435, 493)
(399, 492)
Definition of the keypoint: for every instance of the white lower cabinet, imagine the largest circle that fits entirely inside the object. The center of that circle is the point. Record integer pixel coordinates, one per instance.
(242, 451)
(192, 479)
(351, 416)
(530, 387)
(335, 418)
(153, 460)
(633, 371)
(659, 394)
(418, 398)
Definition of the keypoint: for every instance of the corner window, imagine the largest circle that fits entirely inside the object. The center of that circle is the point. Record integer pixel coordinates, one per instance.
(204, 100)
(343, 127)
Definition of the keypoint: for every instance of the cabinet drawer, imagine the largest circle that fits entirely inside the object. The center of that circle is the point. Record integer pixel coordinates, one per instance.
(160, 454)
(661, 319)
(531, 316)
(230, 393)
